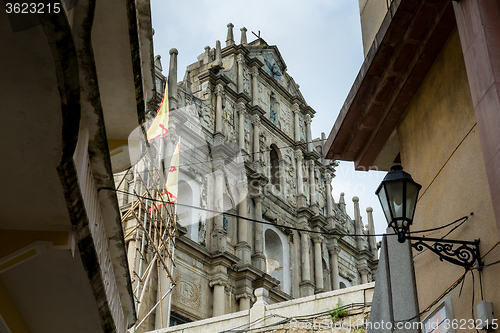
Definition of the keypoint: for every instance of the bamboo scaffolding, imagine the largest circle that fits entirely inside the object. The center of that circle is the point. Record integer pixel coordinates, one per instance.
(150, 224)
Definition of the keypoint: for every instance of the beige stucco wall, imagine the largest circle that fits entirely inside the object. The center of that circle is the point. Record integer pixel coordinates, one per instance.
(372, 13)
(440, 148)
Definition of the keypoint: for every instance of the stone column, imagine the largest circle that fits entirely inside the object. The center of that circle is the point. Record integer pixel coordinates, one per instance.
(243, 36)
(230, 36)
(296, 111)
(218, 233)
(296, 265)
(239, 61)
(172, 79)
(371, 231)
(318, 263)
(219, 299)
(357, 223)
(334, 264)
(245, 301)
(218, 109)
(312, 184)
(364, 271)
(255, 86)
(310, 145)
(241, 125)
(306, 286)
(219, 205)
(301, 197)
(243, 250)
(306, 274)
(259, 259)
(364, 276)
(329, 203)
(255, 119)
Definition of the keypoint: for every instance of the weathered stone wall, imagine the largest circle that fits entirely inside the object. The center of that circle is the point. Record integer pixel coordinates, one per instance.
(302, 314)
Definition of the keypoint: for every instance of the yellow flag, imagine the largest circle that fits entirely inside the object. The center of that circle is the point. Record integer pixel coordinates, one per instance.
(159, 127)
(172, 186)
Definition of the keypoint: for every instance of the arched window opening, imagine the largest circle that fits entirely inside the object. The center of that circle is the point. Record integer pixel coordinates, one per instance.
(275, 168)
(342, 285)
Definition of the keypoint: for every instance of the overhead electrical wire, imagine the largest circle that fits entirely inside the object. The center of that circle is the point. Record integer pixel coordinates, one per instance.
(275, 224)
(302, 318)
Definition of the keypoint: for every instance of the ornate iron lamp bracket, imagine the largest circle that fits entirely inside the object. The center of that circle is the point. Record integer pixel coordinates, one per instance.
(465, 255)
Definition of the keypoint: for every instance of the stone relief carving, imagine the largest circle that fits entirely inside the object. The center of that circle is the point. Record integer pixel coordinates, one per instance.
(247, 136)
(290, 174)
(246, 81)
(261, 93)
(228, 121)
(302, 126)
(187, 291)
(208, 114)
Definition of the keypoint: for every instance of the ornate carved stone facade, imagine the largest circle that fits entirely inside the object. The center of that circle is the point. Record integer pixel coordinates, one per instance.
(247, 151)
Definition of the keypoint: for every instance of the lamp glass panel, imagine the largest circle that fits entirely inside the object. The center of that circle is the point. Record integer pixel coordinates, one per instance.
(385, 205)
(411, 199)
(395, 193)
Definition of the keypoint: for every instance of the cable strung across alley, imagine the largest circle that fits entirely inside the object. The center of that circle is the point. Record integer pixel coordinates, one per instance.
(280, 225)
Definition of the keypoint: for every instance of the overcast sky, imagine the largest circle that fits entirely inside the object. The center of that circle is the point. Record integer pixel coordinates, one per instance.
(320, 41)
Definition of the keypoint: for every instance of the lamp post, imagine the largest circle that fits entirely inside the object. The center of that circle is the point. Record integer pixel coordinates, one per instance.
(398, 194)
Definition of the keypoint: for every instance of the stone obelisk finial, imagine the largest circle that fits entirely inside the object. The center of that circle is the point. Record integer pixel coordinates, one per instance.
(218, 54)
(230, 36)
(342, 202)
(371, 230)
(172, 77)
(243, 36)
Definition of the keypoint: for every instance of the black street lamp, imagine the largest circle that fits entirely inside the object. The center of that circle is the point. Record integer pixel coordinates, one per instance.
(398, 194)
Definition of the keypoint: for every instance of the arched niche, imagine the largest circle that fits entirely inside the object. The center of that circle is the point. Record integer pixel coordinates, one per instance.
(189, 194)
(345, 282)
(276, 249)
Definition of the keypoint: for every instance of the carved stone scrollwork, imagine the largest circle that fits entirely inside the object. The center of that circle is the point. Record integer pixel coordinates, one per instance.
(246, 295)
(318, 238)
(219, 89)
(364, 270)
(255, 119)
(219, 282)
